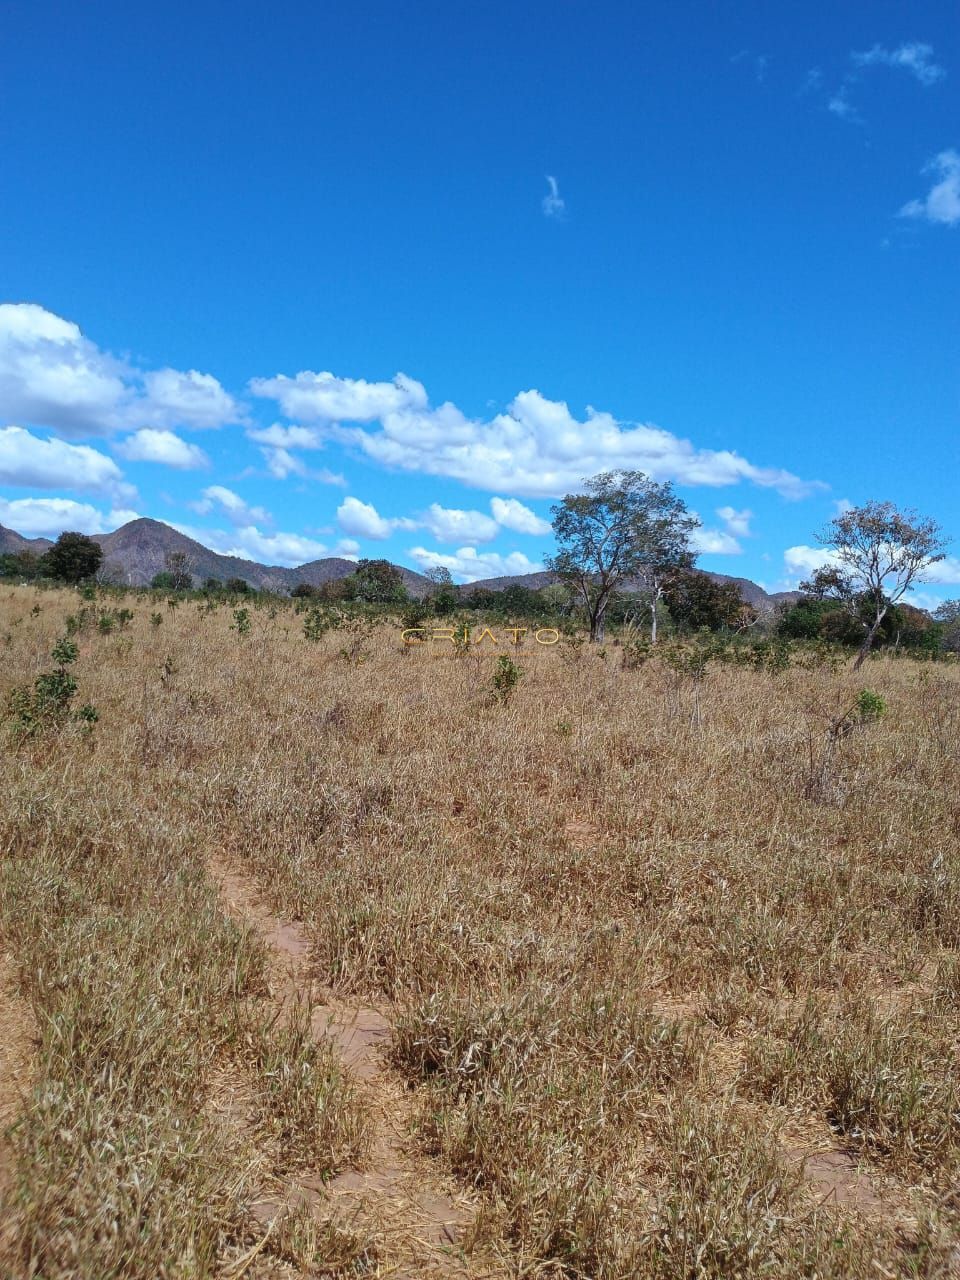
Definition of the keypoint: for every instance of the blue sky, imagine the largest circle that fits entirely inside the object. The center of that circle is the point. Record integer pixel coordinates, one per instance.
(389, 279)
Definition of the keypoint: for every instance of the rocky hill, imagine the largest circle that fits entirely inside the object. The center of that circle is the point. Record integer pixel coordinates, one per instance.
(13, 544)
(140, 549)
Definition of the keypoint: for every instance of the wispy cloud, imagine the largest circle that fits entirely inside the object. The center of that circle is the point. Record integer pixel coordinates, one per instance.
(942, 202)
(553, 204)
(843, 108)
(915, 57)
(758, 61)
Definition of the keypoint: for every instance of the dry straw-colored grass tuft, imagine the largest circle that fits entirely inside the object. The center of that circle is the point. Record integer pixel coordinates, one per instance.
(672, 974)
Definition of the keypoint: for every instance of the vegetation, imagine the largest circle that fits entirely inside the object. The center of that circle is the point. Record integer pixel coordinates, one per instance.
(624, 526)
(73, 558)
(877, 554)
(668, 949)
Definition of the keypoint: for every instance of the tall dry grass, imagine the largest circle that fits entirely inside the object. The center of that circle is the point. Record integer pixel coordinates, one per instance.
(647, 944)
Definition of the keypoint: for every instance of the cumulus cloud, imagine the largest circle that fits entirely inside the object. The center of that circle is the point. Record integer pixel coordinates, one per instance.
(216, 496)
(49, 517)
(942, 202)
(736, 522)
(448, 524)
(802, 561)
(322, 397)
(470, 565)
(52, 376)
(152, 445)
(553, 204)
(714, 542)
(915, 57)
(511, 514)
(250, 543)
(539, 449)
(292, 437)
(28, 461)
(363, 520)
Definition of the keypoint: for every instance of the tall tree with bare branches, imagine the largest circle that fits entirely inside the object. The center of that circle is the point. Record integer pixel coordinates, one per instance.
(877, 553)
(624, 526)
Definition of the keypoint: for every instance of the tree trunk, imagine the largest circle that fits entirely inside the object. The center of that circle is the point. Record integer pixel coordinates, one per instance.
(597, 624)
(653, 621)
(868, 643)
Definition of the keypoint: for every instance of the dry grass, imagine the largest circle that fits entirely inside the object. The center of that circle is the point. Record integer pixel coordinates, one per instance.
(643, 948)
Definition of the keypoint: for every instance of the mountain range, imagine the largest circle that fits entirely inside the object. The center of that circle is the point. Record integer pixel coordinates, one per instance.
(136, 551)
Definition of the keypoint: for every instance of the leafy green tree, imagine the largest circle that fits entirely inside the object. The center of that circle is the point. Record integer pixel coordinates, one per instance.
(23, 565)
(237, 586)
(877, 553)
(696, 601)
(443, 594)
(380, 582)
(625, 526)
(73, 558)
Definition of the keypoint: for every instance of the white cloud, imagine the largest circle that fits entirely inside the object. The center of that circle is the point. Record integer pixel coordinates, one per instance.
(189, 399)
(470, 565)
(49, 517)
(942, 201)
(802, 561)
(714, 542)
(511, 514)
(553, 204)
(251, 543)
(363, 520)
(292, 437)
(447, 524)
(52, 376)
(29, 461)
(736, 522)
(945, 573)
(322, 397)
(216, 495)
(539, 449)
(151, 445)
(915, 57)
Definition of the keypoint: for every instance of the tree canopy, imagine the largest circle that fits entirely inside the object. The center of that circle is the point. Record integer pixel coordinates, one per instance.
(624, 526)
(72, 558)
(876, 554)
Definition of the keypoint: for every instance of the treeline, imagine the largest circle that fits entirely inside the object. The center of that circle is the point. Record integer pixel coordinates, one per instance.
(690, 602)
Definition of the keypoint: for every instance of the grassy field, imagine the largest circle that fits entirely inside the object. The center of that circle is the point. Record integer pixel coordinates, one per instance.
(661, 974)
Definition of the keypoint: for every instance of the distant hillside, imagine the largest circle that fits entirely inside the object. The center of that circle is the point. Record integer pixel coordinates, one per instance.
(750, 592)
(12, 543)
(138, 550)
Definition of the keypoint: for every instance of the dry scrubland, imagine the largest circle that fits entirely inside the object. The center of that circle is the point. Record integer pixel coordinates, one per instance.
(667, 998)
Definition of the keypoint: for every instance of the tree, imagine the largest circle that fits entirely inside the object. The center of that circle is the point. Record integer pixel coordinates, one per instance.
(624, 526)
(24, 565)
(72, 558)
(178, 568)
(695, 600)
(948, 616)
(443, 594)
(877, 553)
(237, 586)
(380, 582)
